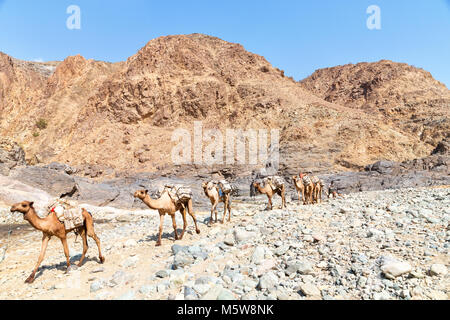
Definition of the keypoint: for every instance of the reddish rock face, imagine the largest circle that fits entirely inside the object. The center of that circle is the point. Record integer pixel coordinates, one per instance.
(100, 113)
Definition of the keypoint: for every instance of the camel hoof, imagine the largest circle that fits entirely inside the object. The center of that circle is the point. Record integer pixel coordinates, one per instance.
(158, 244)
(198, 231)
(30, 279)
(102, 259)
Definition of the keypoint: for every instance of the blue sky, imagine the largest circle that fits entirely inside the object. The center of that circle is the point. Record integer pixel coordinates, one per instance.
(296, 36)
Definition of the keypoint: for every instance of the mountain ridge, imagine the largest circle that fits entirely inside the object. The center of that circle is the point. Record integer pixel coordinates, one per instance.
(121, 115)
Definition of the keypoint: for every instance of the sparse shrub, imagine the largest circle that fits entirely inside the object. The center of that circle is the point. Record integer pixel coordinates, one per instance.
(41, 124)
(36, 134)
(264, 69)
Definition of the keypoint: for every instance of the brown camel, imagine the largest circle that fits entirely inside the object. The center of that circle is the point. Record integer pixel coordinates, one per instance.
(213, 194)
(165, 205)
(51, 226)
(269, 192)
(298, 183)
(317, 189)
(309, 188)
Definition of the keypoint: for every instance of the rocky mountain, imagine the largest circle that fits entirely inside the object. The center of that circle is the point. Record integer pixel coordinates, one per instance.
(404, 95)
(118, 118)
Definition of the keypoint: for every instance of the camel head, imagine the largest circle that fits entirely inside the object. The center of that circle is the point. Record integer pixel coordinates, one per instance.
(22, 207)
(204, 185)
(256, 184)
(141, 194)
(294, 178)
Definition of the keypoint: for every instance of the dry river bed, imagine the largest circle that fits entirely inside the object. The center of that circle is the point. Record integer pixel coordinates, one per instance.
(390, 244)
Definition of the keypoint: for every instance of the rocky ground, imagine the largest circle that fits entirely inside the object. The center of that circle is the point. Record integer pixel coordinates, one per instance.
(368, 245)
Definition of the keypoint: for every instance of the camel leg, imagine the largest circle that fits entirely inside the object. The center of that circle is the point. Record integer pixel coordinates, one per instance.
(66, 250)
(161, 222)
(212, 212)
(270, 202)
(320, 194)
(225, 206)
(45, 240)
(216, 203)
(192, 214)
(283, 198)
(229, 208)
(91, 233)
(183, 214)
(174, 224)
(85, 245)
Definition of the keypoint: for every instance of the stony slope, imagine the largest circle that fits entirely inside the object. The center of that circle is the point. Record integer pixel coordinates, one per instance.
(370, 245)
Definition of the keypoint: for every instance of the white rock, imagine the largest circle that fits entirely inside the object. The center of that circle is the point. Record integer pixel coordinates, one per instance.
(310, 290)
(394, 269)
(438, 270)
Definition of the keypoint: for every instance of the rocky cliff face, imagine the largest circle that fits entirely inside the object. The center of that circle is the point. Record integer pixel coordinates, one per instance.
(408, 97)
(120, 117)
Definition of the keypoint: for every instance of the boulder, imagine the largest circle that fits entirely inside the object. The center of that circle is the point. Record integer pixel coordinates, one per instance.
(56, 183)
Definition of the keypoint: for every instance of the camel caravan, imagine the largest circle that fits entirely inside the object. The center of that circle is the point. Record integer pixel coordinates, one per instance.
(64, 217)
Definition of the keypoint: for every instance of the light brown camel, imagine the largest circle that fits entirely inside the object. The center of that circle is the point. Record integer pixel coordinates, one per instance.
(317, 189)
(309, 188)
(51, 226)
(298, 183)
(165, 205)
(269, 192)
(213, 194)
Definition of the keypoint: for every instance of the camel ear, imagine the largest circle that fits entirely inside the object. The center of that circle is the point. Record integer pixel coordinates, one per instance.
(146, 191)
(31, 204)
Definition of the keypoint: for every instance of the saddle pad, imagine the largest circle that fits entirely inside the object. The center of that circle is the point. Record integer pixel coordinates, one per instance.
(315, 180)
(179, 193)
(73, 218)
(307, 180)
(225, 186)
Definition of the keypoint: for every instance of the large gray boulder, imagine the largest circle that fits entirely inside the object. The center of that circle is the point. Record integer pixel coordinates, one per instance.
(97, 194)
(56, 183)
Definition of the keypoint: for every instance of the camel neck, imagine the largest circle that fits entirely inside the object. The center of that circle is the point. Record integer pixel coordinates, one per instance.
(261, 189)
(153, 204)
(34, 219)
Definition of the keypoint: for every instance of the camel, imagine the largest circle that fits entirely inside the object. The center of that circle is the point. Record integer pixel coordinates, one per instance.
(269, 192)
(165, 205)
(317, 189)
(309, 188)
(298, 183)
(215, 198)
(51, 226)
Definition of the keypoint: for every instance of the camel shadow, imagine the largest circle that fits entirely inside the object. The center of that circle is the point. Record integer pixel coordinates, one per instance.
(165, 235)
(62, 266)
